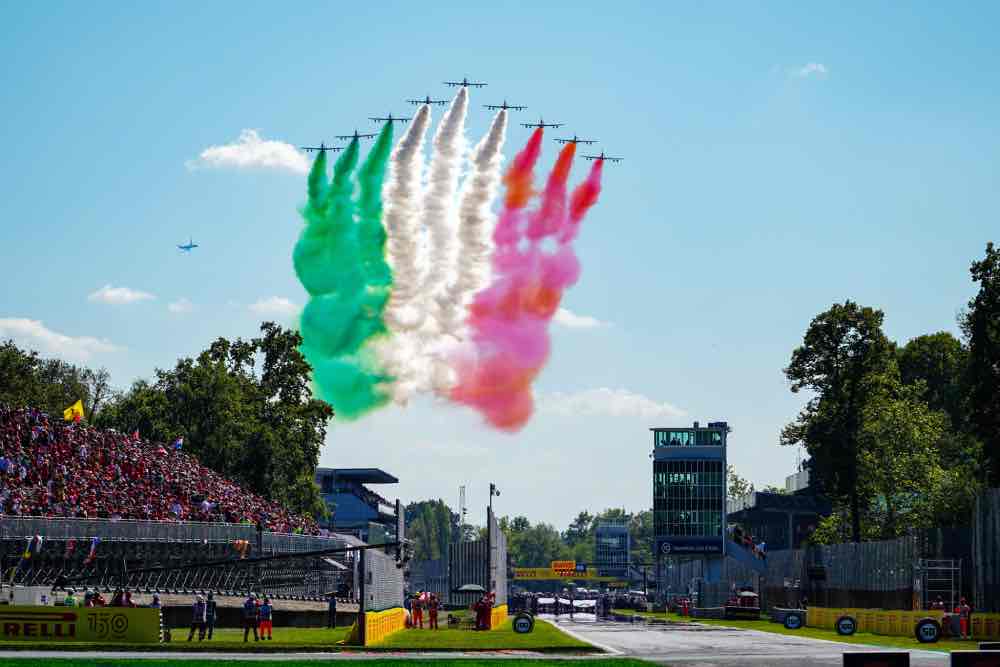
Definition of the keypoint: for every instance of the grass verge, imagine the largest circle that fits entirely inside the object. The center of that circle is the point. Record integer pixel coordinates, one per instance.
(545, 638)
(372, 662)
(861, 638)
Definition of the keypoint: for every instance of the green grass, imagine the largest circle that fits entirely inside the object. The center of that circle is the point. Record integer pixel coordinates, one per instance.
(377, 662)
(862, 638)
(545, 637)
(224, 639)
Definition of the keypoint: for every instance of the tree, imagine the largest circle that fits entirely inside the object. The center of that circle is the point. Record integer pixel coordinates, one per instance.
(244, 408)
(51, 385)
(981, 325)
(940, 362)
(580, 529)
(843, 355)
(432, 526)
(737, 487)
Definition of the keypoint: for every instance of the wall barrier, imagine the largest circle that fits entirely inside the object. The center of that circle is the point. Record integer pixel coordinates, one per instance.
(381, 624)
(75, 624)
(498, 617)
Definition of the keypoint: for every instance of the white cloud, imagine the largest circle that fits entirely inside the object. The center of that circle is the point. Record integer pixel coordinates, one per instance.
(568, 318)
(605, 402)
(119, 295)
(34, 335)
(811, 69)
(251, 151)
(274, 305)
(180, 307)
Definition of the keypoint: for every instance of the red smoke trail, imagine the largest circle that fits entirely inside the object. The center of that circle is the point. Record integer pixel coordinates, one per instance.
(509, 320)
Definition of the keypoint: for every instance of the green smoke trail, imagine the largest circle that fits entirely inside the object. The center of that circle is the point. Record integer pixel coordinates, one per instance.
(336, 264)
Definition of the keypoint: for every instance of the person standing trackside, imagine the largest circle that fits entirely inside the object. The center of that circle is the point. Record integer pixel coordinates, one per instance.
(197, 618)
(250, 617)
(331, 611)
(210, 608)
(432, 609)
(266, 611)
(418, 612)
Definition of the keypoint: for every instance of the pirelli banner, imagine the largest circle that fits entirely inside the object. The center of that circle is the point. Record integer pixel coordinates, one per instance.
(79, 624)
(542, 573)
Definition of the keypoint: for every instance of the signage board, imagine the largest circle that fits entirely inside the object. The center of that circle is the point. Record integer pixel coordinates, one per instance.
(541, 573)
(78, 624)
(689, 546)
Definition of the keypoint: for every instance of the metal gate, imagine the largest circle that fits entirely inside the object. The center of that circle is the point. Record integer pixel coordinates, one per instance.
(940, 578)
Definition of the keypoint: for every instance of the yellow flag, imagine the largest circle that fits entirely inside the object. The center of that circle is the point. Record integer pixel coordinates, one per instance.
(74, 412)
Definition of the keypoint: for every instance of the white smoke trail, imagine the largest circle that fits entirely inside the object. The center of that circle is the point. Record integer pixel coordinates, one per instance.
(404, 314)
(439, 211)
(476, 221)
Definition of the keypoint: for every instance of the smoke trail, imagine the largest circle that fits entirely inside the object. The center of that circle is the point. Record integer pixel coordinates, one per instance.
(509, 320)
(439, 204)
(403, 314)
(346, 282)
(475, 224)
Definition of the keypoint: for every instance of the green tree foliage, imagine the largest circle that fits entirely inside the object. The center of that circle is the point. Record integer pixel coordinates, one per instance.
(244, 408)
(843, 356)
(50, 385)
(432, 526)
(939, 361)
(981, 325)
(737, 487)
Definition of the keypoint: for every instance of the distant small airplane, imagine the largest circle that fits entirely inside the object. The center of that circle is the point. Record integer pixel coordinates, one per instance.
(428, 101)
(577, 140)
(464, 83)
(604, 157)
(355, 136)
(322, 147)
(389, 119)
(541, 123)
(189, 246)
(494, 107)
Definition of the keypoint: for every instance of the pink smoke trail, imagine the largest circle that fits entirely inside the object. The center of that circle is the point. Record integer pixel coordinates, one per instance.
(509, 320)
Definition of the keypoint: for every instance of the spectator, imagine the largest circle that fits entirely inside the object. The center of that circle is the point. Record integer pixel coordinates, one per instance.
(198, 618)
(156, 604)
(331, 611)
(69, 601)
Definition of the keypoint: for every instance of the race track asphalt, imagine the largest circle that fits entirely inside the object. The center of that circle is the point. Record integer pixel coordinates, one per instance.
(690, 644)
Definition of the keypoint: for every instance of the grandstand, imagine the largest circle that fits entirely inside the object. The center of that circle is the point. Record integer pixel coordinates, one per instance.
(354, 508)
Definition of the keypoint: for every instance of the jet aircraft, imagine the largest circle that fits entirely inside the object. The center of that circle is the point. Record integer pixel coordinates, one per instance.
(494, 107)
(189, 246)
(322, 147)
(602, 156)
(355, 136)
(428, 101)
(464, 83)
(389, 119)
(577, 140)
(541, 123)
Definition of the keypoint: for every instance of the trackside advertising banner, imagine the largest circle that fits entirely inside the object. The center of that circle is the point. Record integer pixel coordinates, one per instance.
(76, 624)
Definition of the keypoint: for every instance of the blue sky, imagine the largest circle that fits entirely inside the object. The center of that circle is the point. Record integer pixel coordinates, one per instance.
(780, 157)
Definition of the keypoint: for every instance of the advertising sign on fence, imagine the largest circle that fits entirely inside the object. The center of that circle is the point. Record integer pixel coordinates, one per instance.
(76, 624)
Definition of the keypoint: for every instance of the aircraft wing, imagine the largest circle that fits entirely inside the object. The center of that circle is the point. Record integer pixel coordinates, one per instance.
(516, 108)
(453, 83)
(477, 85)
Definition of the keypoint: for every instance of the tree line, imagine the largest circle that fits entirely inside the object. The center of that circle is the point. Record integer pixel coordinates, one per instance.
(900, 437)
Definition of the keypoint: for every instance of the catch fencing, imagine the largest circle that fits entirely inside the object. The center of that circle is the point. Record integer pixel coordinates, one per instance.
(383, 581)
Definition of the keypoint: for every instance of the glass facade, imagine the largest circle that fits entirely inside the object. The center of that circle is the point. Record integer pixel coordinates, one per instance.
(680, 437)
(688, 497)
(612, 549)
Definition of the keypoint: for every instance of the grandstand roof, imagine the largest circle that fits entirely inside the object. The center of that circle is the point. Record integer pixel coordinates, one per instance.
(362, 475)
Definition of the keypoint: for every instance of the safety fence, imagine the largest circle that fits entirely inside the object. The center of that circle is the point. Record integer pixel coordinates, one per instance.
(380, 624)
(383, 582)
(986, 550)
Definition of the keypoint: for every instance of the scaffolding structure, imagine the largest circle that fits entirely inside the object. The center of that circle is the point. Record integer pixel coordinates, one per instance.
(942, 578)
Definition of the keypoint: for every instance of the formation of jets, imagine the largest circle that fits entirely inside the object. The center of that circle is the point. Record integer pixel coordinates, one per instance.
(495, 107)
(322, 147)
(465, 83)
(428, 101)
(389, 119)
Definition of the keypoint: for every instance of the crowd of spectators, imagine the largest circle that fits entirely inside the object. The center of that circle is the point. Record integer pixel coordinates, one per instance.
(52, 468)
(743, 537)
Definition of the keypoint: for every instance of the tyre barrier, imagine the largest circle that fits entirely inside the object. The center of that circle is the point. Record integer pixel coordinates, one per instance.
(794, 620)
(883, 659)
(846, 626)
(927, 631)
(523, 623)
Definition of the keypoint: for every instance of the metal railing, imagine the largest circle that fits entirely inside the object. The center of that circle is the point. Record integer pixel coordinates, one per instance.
(128, 530)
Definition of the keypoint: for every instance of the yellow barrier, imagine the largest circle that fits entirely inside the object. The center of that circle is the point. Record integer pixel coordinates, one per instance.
(381, 624)
(878, 622)
(78, 624)
(498, 616)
